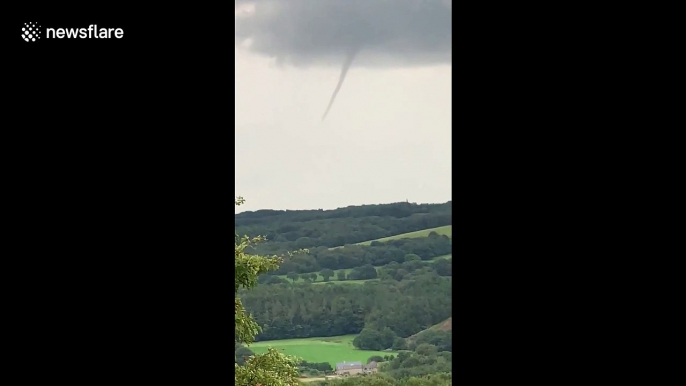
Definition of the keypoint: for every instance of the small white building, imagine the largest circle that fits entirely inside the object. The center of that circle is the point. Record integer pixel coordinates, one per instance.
(354, 368)
(349, 368)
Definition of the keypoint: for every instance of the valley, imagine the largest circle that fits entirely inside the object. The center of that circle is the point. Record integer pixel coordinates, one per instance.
(384, 293)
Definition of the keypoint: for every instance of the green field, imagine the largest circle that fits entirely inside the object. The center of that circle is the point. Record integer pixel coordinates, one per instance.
(333, 349)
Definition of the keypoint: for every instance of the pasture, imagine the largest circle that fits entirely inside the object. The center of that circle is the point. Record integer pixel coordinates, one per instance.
(333, 349)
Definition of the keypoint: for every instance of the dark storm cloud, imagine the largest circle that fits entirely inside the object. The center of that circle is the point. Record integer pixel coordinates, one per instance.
(384, 32)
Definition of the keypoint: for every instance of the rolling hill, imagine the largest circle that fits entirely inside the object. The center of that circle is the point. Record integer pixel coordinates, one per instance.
(342, 239)
(446, 325)
(444, 230)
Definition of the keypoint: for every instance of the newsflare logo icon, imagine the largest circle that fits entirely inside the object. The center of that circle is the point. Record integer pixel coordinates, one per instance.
(30, 32)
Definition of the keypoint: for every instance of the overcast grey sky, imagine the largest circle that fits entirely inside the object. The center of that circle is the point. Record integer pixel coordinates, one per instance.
(387, 136)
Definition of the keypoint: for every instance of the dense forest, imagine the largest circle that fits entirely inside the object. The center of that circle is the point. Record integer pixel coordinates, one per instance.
(310, 310)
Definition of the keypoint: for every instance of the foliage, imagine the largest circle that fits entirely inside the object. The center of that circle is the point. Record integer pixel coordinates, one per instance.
(409, 269)
(375, 358)
(318, 366)
(412, 257)
(426, 349)
(444, 267)
(326, 274)
(271, 368)
(372, 339)
(399, 344)
(427, 360)
(287, 311)
(440, 379)
(242, 354)
(353, 256)
(443, 340)
(364, 272)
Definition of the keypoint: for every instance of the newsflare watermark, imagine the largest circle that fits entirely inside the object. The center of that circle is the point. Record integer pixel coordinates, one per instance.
(32, 32)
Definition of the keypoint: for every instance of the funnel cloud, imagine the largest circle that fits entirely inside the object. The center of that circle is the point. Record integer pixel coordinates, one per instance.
(344, 71)
(386, 33)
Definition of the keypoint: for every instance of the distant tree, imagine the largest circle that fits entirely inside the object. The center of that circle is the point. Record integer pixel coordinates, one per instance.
(364, 272)
(412, 265)
(293, 276)
(447, 355)
(326, 274)
(426, 349)
(369, 339)
(399, 344)
(403, 356)
(319, 366)
(443, 267)
(385, 274)
(387, 337)
(412, 257)
(412, 361)
(340, 275)
(375, 358)
(313, 276)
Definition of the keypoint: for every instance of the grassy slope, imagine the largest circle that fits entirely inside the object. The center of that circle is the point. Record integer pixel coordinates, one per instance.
(444, 230)
(334, 349)
(446, 325)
